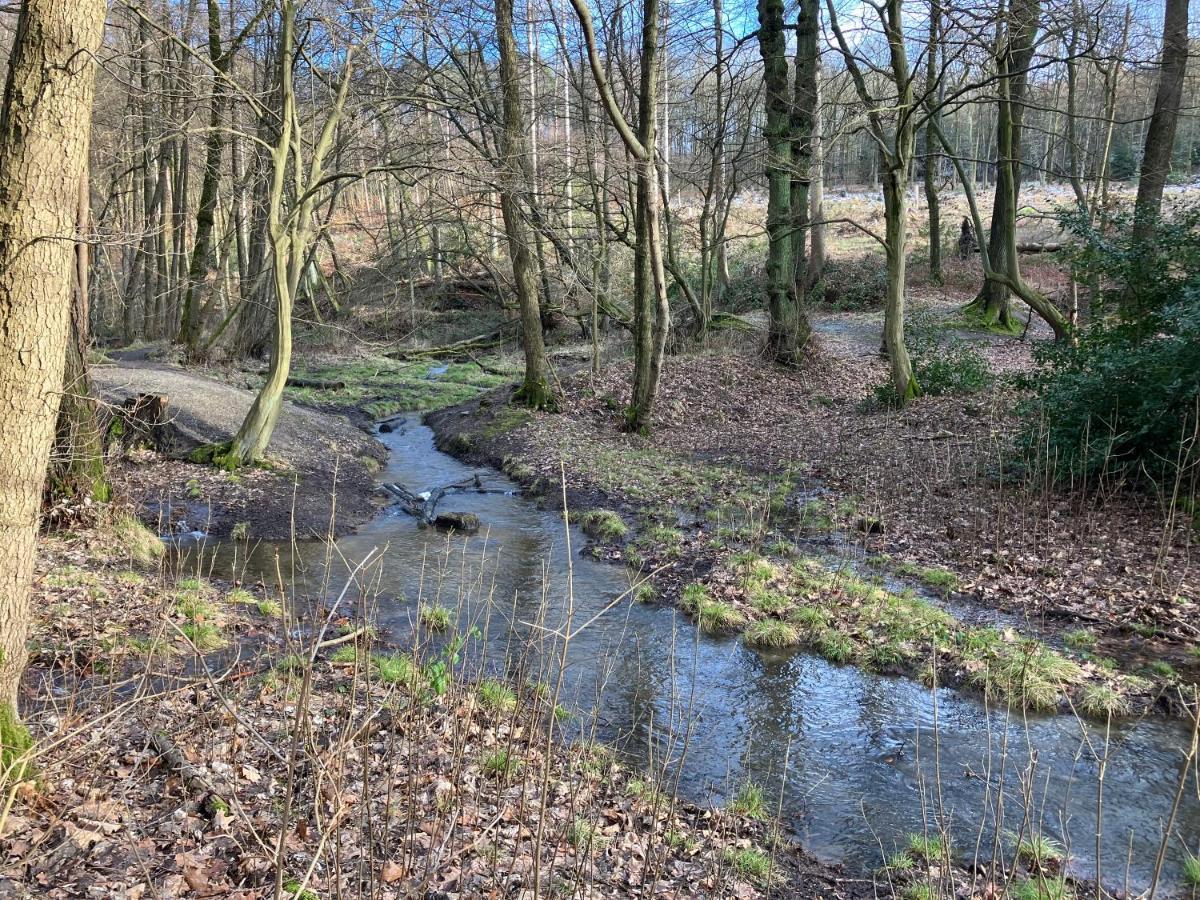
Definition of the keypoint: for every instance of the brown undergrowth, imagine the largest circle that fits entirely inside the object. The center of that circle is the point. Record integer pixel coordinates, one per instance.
(190, 744)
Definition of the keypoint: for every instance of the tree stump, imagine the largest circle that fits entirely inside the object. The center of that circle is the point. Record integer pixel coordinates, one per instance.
(139, 422)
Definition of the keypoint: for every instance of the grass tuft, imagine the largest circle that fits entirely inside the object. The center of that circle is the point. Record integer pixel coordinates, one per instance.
(749, 862)
(749, 802)
(436, 618)
(771, 633)
(717, 616)
(496, 696)
(603, 525)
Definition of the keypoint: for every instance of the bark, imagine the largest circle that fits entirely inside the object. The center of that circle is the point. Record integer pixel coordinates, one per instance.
(992, 305)
(782, 304)
(1160, 134)
(44, 125)
(803, 121)
(516, 179)
(932, 159)
(652, 312)
(291, 232)
(77, 471)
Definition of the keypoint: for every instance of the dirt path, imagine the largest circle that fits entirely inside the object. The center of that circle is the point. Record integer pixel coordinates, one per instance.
(307, 448)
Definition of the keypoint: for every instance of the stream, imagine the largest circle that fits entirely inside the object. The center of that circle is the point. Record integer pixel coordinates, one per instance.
(856, 760)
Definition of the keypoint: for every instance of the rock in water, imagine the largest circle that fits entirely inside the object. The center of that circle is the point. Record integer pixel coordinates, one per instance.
(466, 522)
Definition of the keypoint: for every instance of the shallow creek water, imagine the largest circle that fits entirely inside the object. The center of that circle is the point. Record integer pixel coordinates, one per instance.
(859, 760)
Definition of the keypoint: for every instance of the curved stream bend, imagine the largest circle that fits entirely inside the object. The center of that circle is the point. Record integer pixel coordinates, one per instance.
(860, 748)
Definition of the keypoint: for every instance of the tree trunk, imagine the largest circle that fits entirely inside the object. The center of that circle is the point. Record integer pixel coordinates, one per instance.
(44, 125)
(1160, 134)
(992, 305)
(783, 337)
(932, 158)
(76, 472)
(803, 124)
(516, 181)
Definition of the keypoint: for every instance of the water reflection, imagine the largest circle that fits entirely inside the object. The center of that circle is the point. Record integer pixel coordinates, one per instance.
(854, 759)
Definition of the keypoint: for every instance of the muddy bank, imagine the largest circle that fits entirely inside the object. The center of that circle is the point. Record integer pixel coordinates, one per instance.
(319, 473)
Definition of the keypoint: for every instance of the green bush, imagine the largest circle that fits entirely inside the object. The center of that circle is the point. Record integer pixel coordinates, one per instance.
(941, 367)
(856, 283)
(1123, 400)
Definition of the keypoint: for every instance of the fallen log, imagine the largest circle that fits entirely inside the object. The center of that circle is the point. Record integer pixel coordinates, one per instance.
(423, 506)
(461, 348)
(318, 384)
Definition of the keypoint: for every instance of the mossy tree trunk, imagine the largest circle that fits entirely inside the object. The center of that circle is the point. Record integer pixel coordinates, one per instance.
(991, 305)
(291, 230)
(516, 179)
(652, 311)
(784, 339)
(44, 125)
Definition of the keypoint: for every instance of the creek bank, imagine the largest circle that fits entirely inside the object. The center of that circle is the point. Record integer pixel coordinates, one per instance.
(436, 783)
(313, 455)
(734, 544)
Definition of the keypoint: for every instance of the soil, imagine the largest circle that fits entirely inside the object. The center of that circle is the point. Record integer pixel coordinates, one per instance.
(313, 455)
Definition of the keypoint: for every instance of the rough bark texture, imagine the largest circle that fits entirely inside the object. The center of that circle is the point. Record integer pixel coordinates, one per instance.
(932, 158)
(1160, 134)
(781, 248)
(515, 180)
(804, 118)
(77, 471)
(992, 303)
(43, 149)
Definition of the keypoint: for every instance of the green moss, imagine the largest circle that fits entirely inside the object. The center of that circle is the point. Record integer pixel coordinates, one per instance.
(16, 746)
(142, 545)
(510, 418)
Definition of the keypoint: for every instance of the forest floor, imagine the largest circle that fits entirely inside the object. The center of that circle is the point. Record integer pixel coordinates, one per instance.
(754, 477)
(311, 455)
(201, 740)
